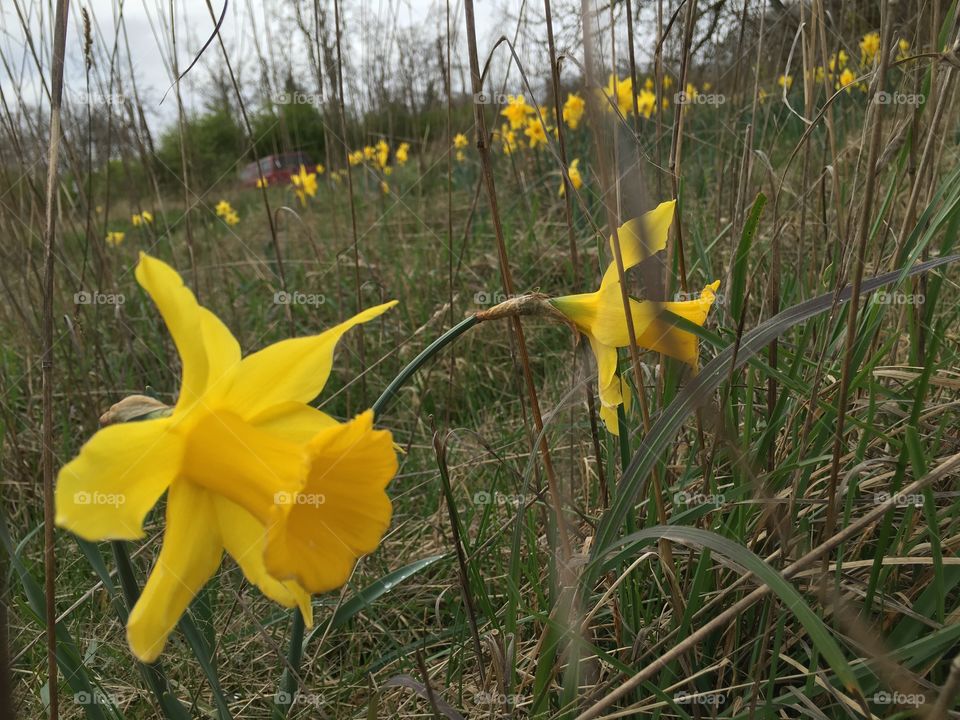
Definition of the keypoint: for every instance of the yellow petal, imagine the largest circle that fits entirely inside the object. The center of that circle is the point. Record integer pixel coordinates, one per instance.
(106, 491)
(207, 348)
(580, 309)
(664, 337)
(342, 511)
(637, 245)
(190, 555)
(245, 539)
(294, 421)
(235, 460)
(292, 370)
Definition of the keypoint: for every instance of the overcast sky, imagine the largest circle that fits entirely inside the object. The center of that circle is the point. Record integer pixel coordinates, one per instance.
(371, 26)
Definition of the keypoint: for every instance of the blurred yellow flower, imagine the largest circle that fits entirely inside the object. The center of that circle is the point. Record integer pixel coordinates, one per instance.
(402, 154)
(136, 220)
(320, 170)
(384, 187)
(646, 102)
(509, 139)
(460, 141)
(785, 81)
(838, 61)
(460, 156)
(575, 178)
(536, 134)
(648, 84)
(621, 93)
(869, 47)
(383, 153)
(262, 182)
(667, 82)
(369, 152)
(147, 216)
(356, 157)
(846, 80)
(601, 317)
(248, 467)
(573, 110)
(222, 208)
(516, 111)
(304, 184)
(115, 237)
(904, 47)
(231, 218)
(388, 171)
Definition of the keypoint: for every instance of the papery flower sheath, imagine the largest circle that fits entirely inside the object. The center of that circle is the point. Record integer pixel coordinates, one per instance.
(248, 467)
(601, 317)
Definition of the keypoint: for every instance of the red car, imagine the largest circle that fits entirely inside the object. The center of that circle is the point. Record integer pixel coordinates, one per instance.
(276, 169)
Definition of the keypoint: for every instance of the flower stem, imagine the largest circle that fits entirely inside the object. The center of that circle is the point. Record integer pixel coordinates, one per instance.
(418, 362)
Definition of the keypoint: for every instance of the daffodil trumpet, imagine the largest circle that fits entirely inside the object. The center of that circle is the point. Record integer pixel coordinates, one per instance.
(248, 467)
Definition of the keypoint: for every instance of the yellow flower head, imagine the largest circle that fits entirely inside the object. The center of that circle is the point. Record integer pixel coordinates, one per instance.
(509, 139)
(785, 81)
(903, 45)
(869, 47)
(648, 84)
(304, 184)
(383, 153)
(460, 141)
(147, 216)
(356, 157)
(535, 132)
(247, 465)
(137, 220)
(846, 80)
(621, 93)
(320, 170)
(222, 208)
(516, 111)
(601, 317)
(575, 178)
(667, 82)
(402, 154)
(838, 61)
(573, 110)
(646, 103)
(388, 171)
(262, 182)
(231, 218)
(460, 156)
(115, 237)
(369, 152)
(384, 187)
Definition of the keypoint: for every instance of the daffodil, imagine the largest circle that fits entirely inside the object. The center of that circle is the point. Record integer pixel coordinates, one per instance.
(648, 84)
(785, 81)
(320, 169)
(460, 141)
(460, 156)
(869, 47)
(535, 133)
(402, 154)
(838, 61)
(248, 467)
(575, 178)
(304, 184)
(601, 317)
(115, 237)
(137, 220)
(508, 139)
(517, 111)
(845, 82)
(147, 216)
(222, 208)
(646, 103)
(384, 187)
(231, 218)
(383, 153)
(573, 110)
(667, 82)
(621, 93)
(369, 152)
(355, 158)
(262, 182)
(903, 45)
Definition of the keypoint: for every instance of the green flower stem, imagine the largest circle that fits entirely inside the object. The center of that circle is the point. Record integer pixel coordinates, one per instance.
(432, 349)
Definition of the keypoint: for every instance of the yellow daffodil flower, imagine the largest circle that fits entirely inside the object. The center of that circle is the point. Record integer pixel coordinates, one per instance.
(869, 47)
(460, 141)
(838, 61)
(231, 218)
(384, 187)
(904, 47)
(621, 93)
(575, 178)
(369, 152)
(785, 81)
(573, 110)
(667, 82)
(222, 208)
(402, 154)
(147, 216)
(460, 156)
(383, 153)
(600, 315)
(516, 111)
(648, 84)
(262, 182)
(304, 184)
(509, 140)
(646, 103)
(115, 237)
(136, 220)
(845, 82)
(355, 158)
(248, 467)
(536, 134)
